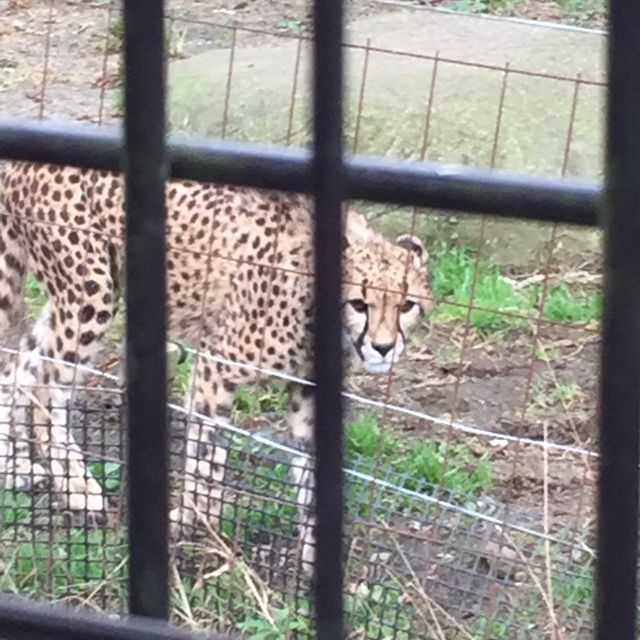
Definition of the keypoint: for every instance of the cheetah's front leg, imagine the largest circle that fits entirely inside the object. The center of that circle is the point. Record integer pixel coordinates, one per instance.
(206, 457)
(301, 398)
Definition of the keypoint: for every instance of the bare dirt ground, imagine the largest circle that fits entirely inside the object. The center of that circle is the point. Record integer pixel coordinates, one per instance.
(499, 384)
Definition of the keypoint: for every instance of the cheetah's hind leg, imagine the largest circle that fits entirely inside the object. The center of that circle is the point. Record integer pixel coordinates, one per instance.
(17, 469)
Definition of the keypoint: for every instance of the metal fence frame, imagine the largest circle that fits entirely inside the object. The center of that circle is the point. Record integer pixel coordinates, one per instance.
(326, 174)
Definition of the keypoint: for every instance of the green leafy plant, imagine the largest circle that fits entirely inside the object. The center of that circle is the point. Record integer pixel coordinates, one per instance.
(108, 474)
(256, 400)
(419, 466)
(574, 591)
(15, 508)
(282, 625)
(379, 614)
(571, 306)
(455, 269)
(431, 463)
(34, 295)
(182, 376)
(75, 563)
(363, 437)
(488, 628)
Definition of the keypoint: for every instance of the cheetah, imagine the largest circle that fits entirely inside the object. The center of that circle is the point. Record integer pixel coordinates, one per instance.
(239, 291)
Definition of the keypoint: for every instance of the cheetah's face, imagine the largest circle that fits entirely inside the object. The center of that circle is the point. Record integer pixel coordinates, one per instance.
(386, 292)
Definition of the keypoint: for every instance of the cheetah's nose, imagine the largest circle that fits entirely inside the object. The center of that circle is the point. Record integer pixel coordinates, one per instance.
(382, 347)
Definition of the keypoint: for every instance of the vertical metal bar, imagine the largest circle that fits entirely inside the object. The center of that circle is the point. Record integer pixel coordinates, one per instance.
(328, 186)
(145, 169)
(620, 359)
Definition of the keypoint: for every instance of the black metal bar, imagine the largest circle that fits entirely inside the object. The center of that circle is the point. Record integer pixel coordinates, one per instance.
(404, 183)
(328, 188)
(22, 620)
(145, 172)
(620, 371)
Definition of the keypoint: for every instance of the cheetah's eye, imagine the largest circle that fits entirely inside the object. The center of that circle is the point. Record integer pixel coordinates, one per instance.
(359, 305)
(406, 306)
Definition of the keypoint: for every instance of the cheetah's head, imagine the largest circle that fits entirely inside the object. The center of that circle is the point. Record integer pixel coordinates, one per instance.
(385, 292)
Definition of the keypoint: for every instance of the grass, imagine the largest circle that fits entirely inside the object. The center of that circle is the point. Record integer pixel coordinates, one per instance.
(248, 401)
(284, 622)
(70, 564)
(16, 508)
(458, 273)
(486, 628)
(549, 394)
(89, 566)
(380, 614)
(579, 12)
(419, 466)
(34, 296)
(570, 306)
(574, 591)
(255, 400)
(182, 376)
(108, 474)
(364, 439)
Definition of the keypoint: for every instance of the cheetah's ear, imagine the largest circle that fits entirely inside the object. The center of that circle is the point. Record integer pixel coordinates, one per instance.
(413, 244)
(356, 229)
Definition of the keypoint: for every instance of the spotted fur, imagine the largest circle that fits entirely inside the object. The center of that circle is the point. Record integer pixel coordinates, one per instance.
(239, 277)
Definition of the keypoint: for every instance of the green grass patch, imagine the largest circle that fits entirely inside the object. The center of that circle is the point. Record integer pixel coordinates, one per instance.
(108, 474)
(271, 505)
(284, 625)
(419, 466)
(549, 394)
(455, 270)
(488, 628)
(255, 400)
(365, 439)
(574, 591)
(73, 563)
(34, 296)
(452, 465)
(380, 614)
(459, 274)
(15, 508)
(182, 376)
(578, 12)
(570, 306)
(249, 401)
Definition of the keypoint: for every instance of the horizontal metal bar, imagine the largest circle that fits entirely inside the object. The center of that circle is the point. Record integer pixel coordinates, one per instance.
(22, 620)
(398, 182)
